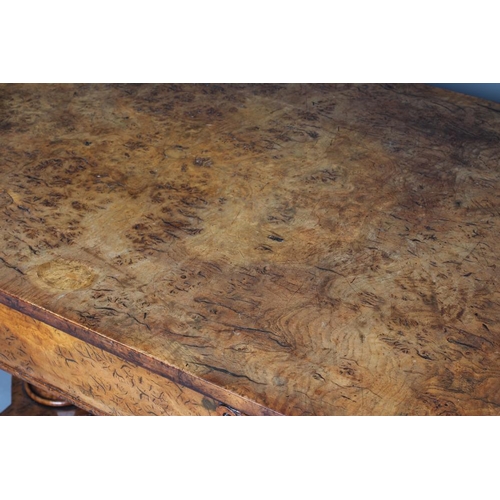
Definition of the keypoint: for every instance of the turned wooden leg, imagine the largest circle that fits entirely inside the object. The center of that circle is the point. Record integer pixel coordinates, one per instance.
(44, 396)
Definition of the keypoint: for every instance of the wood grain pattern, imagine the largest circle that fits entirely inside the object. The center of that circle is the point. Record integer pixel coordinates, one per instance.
(302, 249)
(92, 378)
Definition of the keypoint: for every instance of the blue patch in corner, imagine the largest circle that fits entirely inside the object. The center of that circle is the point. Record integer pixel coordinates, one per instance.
(5, 390)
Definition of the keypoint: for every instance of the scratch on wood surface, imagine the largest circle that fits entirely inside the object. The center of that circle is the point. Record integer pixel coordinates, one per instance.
(267, 231)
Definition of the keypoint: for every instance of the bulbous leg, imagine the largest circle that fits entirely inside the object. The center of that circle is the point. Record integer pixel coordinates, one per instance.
(44, 396)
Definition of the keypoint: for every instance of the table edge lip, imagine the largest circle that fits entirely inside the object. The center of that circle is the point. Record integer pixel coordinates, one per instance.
(130, 354)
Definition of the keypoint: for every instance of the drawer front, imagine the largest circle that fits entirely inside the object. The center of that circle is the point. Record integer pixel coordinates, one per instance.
(90, 377)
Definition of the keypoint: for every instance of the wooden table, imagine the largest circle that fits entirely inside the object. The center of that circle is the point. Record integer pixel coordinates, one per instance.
(253, 249)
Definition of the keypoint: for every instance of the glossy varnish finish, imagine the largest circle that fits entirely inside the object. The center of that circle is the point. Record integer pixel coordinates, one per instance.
(294, 249)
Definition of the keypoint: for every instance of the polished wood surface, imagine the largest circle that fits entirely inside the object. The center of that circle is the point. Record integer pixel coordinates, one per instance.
(281, 249)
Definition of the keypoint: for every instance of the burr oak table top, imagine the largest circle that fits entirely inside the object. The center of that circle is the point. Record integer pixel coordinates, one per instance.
(283, 249)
